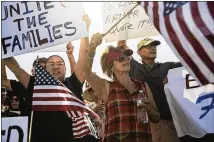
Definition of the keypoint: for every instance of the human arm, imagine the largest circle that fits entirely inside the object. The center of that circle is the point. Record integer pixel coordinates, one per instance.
(20, 73)
(5, 81)
(70, 55)
(100, 86)
(173, 65)
(83, 45)
(149, 104)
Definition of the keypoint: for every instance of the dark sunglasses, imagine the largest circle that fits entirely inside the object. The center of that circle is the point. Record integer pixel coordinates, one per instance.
(122, 58)
(14, 99)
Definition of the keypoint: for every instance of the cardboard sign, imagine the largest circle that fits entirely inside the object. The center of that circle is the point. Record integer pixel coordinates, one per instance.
(29, 26)
(135, 25)
(191, 105)
(14, 129)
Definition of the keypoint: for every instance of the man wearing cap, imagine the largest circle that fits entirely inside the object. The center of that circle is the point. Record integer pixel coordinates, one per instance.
(54, 126)
(154, 74)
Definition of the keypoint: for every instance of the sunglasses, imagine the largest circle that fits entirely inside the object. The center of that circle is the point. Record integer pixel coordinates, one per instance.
(122, 58)
(14, 99)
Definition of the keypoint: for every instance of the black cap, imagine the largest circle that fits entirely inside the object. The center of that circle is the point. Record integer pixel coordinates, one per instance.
(45, 60)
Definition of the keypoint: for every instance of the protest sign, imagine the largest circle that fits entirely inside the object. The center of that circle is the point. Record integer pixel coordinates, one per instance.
(191, 105)
(135, 25)
(14, 129)
(29, 26)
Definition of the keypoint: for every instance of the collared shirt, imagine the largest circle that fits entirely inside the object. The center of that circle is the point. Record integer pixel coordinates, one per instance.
(154, 76)
(121, 122)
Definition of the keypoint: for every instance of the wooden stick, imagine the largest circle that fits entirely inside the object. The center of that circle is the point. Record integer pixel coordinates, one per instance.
(31, 122)
(31, 118)
(120, 20)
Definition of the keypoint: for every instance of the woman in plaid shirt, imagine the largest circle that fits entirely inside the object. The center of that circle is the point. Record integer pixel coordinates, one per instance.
(120, 94)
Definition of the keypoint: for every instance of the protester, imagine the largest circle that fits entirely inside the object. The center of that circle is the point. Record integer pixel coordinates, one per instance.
(154, 74)
(4, 102)
(14, 105)
(120, 123)
(53, 126)
(14, 102)
(9, 108)
(98, 107)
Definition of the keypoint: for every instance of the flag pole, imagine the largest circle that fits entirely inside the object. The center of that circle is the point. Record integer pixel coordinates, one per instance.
(31, 122)
(120, 20)
(31, 117)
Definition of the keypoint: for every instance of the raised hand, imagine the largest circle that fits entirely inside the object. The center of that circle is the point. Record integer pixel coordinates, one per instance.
(96, 40)
(70, 48)
(87, 20)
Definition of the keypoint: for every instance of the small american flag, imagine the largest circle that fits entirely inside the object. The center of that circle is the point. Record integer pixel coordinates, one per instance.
(51, 95)
(188, 27)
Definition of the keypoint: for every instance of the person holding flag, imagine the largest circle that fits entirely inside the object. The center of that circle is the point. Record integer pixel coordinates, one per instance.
(52, 122)
(119, 95)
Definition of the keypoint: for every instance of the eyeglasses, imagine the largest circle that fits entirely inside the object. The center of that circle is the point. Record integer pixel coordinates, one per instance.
(122, 58)
(55, 64)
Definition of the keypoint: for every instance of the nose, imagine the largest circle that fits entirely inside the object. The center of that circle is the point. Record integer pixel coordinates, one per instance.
(55, 68)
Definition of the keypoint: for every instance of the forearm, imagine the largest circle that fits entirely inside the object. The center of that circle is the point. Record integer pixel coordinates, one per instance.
(20, 74)
(3, 71)
(87, 59)
(6, 84)
(72, 62)
(154, 115)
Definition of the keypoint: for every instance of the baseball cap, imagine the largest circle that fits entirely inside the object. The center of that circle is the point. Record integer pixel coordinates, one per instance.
(147, 41)
(43, 59)
(120, 50)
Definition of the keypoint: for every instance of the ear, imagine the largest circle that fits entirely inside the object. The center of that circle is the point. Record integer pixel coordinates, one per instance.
(138, 52)
(112, 69)
(32, 71)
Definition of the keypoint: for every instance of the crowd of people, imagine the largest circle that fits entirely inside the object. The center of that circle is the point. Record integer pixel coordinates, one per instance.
(114, 101)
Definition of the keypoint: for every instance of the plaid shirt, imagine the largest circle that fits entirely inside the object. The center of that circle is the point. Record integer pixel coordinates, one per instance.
(121, 122)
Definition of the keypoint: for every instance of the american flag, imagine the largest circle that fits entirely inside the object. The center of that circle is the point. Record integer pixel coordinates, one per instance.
(50, 94)
(188, 27)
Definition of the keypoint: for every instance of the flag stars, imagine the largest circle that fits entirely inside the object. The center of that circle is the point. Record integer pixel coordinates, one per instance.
(175, 5)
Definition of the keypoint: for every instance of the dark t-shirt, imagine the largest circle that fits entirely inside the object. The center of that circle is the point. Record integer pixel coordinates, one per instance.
(154, 76)
(50, 126)
(54, 126)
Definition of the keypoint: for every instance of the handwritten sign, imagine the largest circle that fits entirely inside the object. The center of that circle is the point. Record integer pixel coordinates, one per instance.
(135, 25)
(191, 105)
(14, 129)
(29, 26)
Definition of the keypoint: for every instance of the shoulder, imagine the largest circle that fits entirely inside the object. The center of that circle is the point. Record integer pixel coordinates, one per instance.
(133, 62)
(73, 80)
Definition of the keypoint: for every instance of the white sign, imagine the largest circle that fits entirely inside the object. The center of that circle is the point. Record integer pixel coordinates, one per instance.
(29, 26)
(192, 107)
(14, 129)
(135, 25)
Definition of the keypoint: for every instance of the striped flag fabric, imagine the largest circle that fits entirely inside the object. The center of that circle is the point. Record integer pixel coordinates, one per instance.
(50, 94)
(188, 27)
